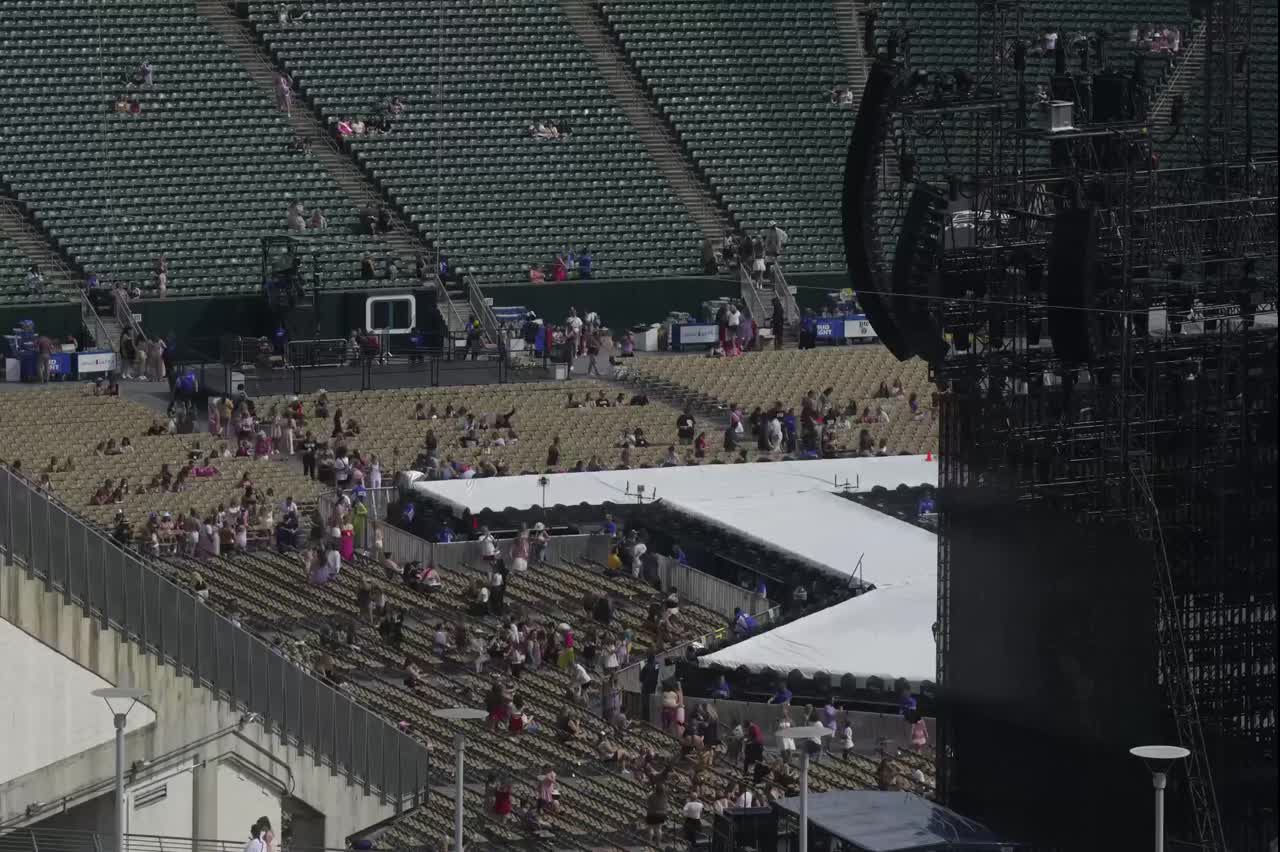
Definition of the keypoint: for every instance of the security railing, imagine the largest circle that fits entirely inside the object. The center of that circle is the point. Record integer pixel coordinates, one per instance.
(751, 295)
(125, 316)
(122, 591)
(629, 676)
(782, 290)
(60, 840)
(93, 322)
(707, 591)
(481, 309)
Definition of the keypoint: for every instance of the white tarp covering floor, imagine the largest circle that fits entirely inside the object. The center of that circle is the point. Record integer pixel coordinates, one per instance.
(885, 633)
(791, 506)
(829, 532)
(686, 483)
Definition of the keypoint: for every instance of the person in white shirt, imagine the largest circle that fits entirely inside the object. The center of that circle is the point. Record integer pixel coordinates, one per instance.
(637, 558)
(288, 507)
(785, 743)
(773, 433)
(488, 544)
(255, 840)
(692, 813)
(497, 588)
(846, 741)
(574, 322)
(579, 678)
(341, 470)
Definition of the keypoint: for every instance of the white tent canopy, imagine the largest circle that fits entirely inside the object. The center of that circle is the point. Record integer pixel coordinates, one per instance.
(685, 484)
(886, 633)
(791, 506)
(831, 533)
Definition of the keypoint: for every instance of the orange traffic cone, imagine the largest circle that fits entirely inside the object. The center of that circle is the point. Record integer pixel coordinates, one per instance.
(928, 456)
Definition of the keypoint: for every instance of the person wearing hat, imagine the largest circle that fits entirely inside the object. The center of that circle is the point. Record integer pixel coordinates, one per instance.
(539, 541)
(775, 240)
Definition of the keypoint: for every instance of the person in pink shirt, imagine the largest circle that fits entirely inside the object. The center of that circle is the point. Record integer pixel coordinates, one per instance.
(547, 791)
(348, 543)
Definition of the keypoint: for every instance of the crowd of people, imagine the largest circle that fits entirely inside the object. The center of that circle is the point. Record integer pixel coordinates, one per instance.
(554, 131)
(564, 267)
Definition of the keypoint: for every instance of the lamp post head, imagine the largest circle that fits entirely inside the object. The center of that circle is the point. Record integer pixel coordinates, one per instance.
(1159, 758)
(120, 694)
(809, 732)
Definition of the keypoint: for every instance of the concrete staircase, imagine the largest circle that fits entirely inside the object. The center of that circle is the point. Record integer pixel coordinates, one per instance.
(659, 140)
(307, 122)
(60, 280)
(1185, 75)
(848, 14)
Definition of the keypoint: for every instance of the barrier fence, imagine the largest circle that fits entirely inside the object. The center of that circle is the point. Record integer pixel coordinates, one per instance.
(871, 731)
(61, 840)
(124, 592)
(629, 676)
(708, 591)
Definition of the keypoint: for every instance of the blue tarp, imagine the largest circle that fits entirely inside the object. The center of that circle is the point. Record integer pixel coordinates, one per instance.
(893, 822)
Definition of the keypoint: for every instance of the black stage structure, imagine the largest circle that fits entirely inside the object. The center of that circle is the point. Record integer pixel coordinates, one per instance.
(1102, 331)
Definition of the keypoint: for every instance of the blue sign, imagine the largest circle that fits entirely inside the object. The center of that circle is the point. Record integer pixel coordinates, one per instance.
(835, 329)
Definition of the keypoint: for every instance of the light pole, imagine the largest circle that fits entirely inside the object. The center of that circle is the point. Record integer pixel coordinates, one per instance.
(133, 696)
(810, 732)
(1159, 759)
(458, 714)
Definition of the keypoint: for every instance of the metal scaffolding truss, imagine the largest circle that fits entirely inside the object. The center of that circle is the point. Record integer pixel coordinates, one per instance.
(1171, 431)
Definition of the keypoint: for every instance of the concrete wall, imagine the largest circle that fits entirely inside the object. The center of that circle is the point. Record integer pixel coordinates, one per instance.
(242, 798)
(227, 794)
(46, 711)
(163, 807)
(184, 713)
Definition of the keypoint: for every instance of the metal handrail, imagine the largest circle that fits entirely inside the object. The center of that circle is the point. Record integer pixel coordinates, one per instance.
(124, 315)
(65, 840)
(481, 308)
(453, 319)
(747, 289)
(1172, 87)
(99, 330)
(782, 290)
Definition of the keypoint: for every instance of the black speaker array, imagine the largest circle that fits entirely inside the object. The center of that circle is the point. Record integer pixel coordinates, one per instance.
(914, 272)
(1073, 326)
(860, 241)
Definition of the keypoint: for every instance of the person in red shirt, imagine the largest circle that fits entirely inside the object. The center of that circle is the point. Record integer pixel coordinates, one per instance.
(502, 797)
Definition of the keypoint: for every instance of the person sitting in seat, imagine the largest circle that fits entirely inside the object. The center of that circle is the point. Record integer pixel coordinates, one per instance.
(295, 219)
